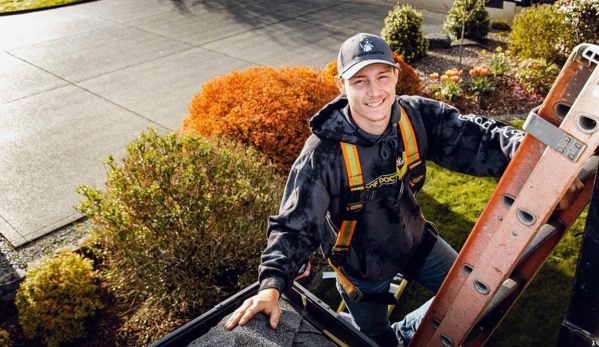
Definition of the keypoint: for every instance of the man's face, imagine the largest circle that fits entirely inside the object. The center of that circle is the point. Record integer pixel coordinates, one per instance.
(371, 94)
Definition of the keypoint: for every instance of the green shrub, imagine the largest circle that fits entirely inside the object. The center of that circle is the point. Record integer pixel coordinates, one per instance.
(500, 24)
(582, 17)
(403, 33)
(539, 32)
(263, 107)
(4, 338)
(183, 219)
(536, 75)
(408, 82)
(56, 297)
(473, 14)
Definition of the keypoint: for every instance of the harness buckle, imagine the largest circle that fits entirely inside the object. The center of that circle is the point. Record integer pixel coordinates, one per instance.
(338, 256)
(354, 198)
(356, 296)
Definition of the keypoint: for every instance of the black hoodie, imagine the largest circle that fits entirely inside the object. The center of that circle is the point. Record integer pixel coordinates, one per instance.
(389, 227)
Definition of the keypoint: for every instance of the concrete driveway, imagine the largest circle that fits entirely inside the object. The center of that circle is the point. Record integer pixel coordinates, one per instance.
(78, 83)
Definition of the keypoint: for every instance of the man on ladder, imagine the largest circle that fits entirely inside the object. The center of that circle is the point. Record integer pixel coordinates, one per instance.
(351, 191)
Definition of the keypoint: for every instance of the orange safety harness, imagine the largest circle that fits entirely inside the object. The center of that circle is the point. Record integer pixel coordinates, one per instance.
(413, 162)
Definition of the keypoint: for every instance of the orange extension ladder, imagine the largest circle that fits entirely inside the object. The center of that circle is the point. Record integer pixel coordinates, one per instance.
(520, 227)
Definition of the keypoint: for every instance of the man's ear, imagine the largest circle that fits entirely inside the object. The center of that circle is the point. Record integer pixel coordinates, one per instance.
(340, 84)
(396, 73)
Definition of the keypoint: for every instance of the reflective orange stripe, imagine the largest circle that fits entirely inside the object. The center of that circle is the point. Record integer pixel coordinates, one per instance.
(414, 181)
(409, 140)
(352, 164)
(346, 232)
(349, 288)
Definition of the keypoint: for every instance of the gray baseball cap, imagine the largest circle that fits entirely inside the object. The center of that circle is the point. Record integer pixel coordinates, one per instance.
(360, 51)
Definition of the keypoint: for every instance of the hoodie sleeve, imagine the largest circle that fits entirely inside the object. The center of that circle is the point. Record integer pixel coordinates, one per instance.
(293, 234)
(468, 144)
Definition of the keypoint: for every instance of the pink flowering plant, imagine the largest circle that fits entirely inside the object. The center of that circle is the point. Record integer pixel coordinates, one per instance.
(537, 75)
(582, 17)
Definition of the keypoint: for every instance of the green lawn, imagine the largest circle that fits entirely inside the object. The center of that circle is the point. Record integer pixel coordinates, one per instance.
(21, 5)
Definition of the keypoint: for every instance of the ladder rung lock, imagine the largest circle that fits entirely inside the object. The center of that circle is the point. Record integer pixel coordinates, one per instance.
(553, 136)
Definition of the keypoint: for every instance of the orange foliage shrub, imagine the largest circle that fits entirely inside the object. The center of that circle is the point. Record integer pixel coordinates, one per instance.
(408, 82)
(264, 107)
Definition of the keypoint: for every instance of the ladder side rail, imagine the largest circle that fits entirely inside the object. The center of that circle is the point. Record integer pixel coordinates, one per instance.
(527, 269)
(563, 94)
(504, 251)
(559, 98)
(535, 203)
(477, 242)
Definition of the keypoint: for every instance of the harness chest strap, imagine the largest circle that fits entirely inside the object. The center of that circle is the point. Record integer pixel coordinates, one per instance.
(356, 184)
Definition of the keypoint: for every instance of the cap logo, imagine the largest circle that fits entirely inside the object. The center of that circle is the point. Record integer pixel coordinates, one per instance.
(366, 45)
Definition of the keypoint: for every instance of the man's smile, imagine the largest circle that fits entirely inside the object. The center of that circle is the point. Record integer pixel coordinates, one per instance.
(375, 104)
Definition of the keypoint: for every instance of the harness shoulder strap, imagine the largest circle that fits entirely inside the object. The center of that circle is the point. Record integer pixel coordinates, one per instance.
(413, 160)
(354, 175)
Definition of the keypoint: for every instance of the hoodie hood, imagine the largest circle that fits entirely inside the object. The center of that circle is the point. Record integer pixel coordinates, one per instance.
(333, 122)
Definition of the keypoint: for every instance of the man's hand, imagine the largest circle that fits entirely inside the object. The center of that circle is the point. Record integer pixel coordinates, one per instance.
(267, 301)
(571, 195)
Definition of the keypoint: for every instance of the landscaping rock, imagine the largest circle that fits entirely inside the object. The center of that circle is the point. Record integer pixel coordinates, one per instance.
(467, 42)
(438, 40)
(11, 282)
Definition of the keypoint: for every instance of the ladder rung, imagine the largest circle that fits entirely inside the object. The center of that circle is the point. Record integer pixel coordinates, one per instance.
(546, 231)
(507, 288)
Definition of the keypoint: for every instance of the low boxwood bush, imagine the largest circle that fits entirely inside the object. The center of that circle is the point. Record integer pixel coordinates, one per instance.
(500, 24)
(182, 219)
(403, 33)
(4, 338)
(56, 297)
(540, 32)
(408, 82)
(263, 107)
(472, 16)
